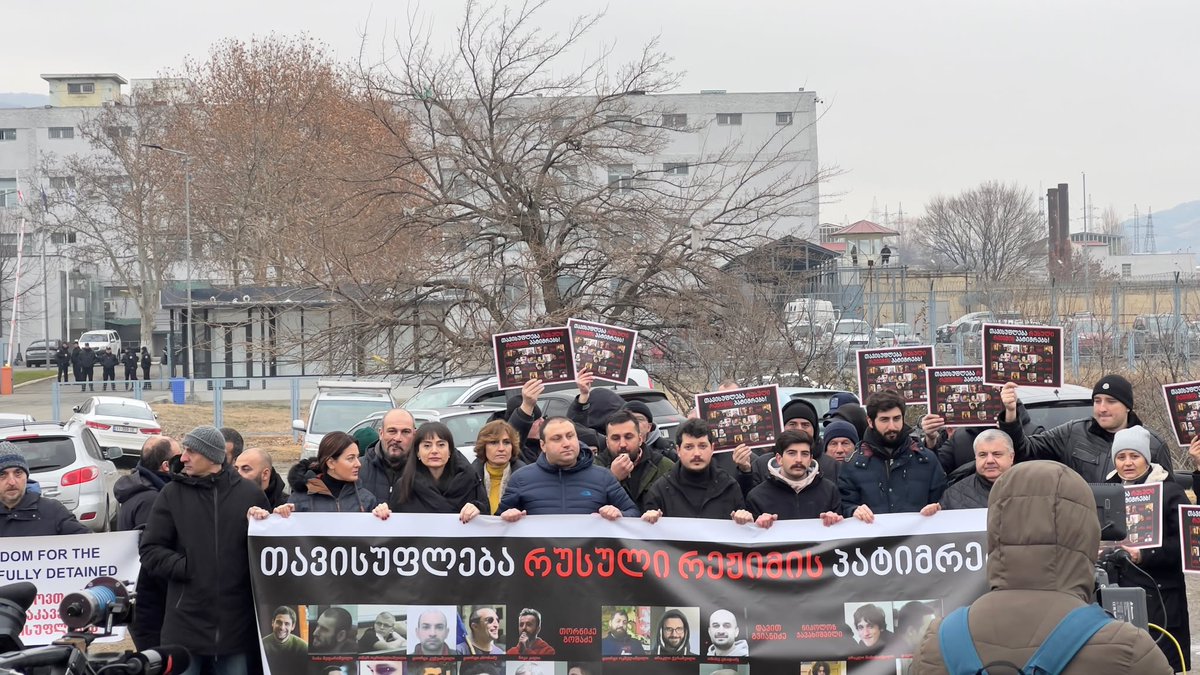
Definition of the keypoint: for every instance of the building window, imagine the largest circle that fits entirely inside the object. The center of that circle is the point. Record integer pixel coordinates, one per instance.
(8, 134)
(62, 132)
(674, 120)
(62, 182)
(561, 123)
(62, 237)
(81, 88)
(8, 192)
(620, 177)
(620, 120)
(1126, 270)
(783, 119)
(675, 168)
(729, 119)
(120, 131)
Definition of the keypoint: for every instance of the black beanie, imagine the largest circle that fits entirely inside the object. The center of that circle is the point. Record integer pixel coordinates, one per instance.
(798, 407)
(1116, 387)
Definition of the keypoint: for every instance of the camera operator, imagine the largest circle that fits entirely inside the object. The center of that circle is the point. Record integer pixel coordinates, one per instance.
(1131, 455)
(23, 510)
(195, 541)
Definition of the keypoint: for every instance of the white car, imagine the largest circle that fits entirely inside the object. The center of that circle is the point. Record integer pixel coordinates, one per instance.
(70, 467)
(123, 423)
(99, 340)
(338, 406)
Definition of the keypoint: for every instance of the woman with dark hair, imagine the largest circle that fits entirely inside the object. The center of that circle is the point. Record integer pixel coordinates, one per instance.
(328, 483)
(496, 459)
(440, 480)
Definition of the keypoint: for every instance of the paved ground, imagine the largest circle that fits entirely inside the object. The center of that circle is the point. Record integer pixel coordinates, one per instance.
(35, 398)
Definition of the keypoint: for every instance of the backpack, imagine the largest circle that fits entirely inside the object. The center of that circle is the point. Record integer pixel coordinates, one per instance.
(1057, 650)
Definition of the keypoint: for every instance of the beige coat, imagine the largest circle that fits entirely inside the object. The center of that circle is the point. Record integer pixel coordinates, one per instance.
(1043, 537)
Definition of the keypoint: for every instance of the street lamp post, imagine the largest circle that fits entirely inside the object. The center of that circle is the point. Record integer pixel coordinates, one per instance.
(187, 216)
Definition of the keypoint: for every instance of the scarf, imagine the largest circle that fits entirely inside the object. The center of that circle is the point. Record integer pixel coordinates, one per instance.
(797, 485)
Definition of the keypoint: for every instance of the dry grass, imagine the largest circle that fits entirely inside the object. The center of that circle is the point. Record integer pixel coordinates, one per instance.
(263, 425)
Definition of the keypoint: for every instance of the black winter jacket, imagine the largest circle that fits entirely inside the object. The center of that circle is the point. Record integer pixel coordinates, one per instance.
(195, 540)
(1082, 445)
(722, 496)
(376, 475)
(310, 494)
(87, 358)
(903, 480)
(777, 497)
(38, 516)
(459, 486)
(276, 495)
(136, 493)
(108, 360)
(969, 493)
(958, 450)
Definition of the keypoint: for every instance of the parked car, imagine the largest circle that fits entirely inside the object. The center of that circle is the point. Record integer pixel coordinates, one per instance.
(337, 405)
(464, 422)
(99, 340)
(906, 336)
(885, 337)
(1091, 335)
(1162, 334)
(123, 423)
(817, 396)
(852, 334)
(72, 467)
(37, 355)
(486, 389)
(666, 417)
(946, 331)
(1049, 408)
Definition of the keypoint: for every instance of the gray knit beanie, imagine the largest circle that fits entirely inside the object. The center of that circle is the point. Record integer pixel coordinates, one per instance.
(11, 457)
(208, 441)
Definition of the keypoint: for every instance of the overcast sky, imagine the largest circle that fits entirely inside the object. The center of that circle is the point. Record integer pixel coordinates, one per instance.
(920, 97)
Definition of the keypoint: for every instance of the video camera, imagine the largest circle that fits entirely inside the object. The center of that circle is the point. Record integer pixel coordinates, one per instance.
(1122, 602)
(104, 603)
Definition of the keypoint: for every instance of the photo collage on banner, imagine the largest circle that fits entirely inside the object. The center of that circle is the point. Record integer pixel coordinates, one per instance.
(901, 369)
(1026, 355)
(1189, 537)
(606, 351)
(541, 354)
(1143, 515)
(1183, 409)
(958, 395)
(748, 416)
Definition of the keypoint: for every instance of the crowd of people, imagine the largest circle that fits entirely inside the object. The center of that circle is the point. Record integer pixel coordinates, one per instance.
(81, 363)
(192, 497)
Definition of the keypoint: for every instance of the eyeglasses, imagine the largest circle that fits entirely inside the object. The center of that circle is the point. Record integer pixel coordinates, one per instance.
(674, 631)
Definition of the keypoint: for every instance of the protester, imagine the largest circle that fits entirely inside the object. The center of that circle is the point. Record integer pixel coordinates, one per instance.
(483, 629)
(695, 488)
(286, 652)
(496, 459)
(955, 447)
(136, 491)
(23, 510)
(529, 625)
(234, 444)
(1161, 573)
(890, 472)
(382, 637)
(994, 456)
(795, 488)
(329, 483)
(437, 479)
(383, 462)
(840, 439)
(524, 414)
(564, 480)
(636, 466)
(195, 540)
(653, 439)
(798, 415)
(618, 641)
(1083, 445)
(256, 466)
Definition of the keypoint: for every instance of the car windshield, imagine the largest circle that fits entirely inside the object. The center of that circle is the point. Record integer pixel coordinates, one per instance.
(341, 414)
(900, 328)
(120, 410)
(1051, 415)
(94, 337)
(47, 453)
(465, 428)
(435, 397)
(850, 327)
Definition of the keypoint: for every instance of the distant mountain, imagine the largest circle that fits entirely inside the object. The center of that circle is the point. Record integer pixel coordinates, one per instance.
(17, 100)
(1175, 229)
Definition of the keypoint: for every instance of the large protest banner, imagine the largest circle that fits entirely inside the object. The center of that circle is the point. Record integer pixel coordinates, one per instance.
(426, 593)
(1029, 355)
(61, 565)
(901, 369)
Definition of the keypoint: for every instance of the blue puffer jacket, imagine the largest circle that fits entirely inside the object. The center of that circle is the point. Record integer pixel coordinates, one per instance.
(908, 482)
(542, 489)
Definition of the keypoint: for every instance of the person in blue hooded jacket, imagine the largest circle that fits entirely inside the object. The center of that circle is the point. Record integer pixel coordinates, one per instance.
(564, 480)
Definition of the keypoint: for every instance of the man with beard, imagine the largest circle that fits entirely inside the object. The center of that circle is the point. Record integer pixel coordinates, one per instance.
(431, 628)
(619, 642)
(674, 635)
(286, 652)
(382, 636)
(529, 624)
(796, 489)
(255, 465)
(652, 437)
(483, 629)
(636, 467)
(890, 472)
(723, 632)
(383, 462)
(334, 633)
(696, 488)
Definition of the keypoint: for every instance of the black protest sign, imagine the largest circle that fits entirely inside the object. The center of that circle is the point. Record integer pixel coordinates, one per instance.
(1143, 515)
(958, 395)
(1026, 355)
(540, 354)
(749, 416)
(606, 351)
(1189, 537)
(1183, 407)
(692, 596)
(901, 369)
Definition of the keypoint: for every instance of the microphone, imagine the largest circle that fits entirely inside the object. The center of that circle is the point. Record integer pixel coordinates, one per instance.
(164, 660)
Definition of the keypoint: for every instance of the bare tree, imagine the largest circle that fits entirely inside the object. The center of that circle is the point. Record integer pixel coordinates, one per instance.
(990, 230)
(524, 173)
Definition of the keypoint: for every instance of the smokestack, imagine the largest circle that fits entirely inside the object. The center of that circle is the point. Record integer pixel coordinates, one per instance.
(1053, 245)
(1064, 229)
